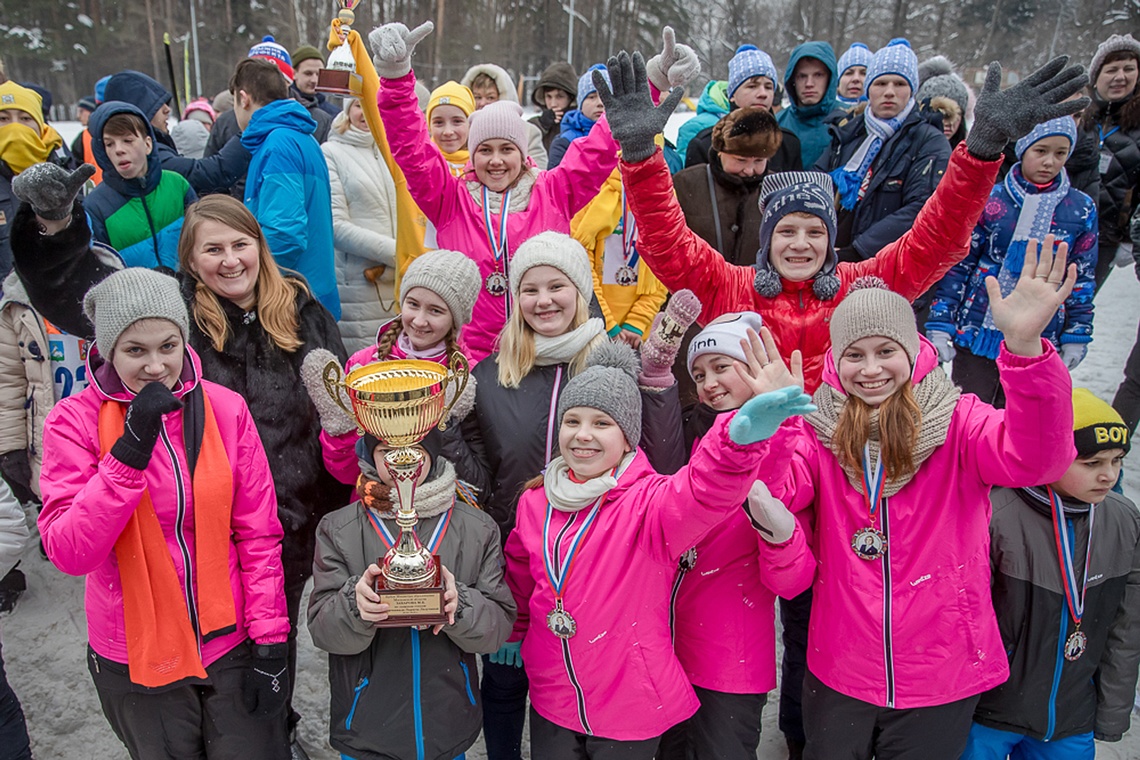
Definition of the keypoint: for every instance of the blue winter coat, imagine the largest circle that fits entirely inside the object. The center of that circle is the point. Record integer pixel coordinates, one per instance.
(287, 189)
(574, 125)
(808, 122)
(712, 105)
(961, 301)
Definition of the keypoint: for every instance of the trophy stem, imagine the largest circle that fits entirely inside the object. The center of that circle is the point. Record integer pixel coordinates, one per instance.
(408, 564)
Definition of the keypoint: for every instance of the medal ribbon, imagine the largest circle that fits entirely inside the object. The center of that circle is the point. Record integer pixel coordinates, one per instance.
(1065, 555)
(390, 540)
(628, 234)
(498, 242)
(558, 579)
(872, 491)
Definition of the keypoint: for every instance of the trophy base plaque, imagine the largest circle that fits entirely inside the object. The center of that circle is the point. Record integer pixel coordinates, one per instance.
(412, 606)
(340, 82)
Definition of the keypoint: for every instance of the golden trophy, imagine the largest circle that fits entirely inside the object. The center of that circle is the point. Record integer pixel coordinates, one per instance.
(399, 402)
(339, 76)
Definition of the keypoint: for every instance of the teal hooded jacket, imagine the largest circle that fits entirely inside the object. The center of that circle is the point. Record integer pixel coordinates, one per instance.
(809, 122)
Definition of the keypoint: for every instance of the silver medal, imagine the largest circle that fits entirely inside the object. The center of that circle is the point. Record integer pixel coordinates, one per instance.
(496, 284)
(869, 544)
(625, 275)
(1075, 645)
(561, 623)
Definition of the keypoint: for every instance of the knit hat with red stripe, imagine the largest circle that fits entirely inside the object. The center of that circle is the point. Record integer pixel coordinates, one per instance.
(275, 53)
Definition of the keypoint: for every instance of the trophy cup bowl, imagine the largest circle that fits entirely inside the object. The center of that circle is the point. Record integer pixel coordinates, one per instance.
(399, 402)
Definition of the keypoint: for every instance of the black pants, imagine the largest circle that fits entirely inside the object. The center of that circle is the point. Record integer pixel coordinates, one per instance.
(189, 721)
(14, 743)
(549, 741)
(978, 375)
(795, 614)
(297, 551)
(1106, 256)
(839, 726)
(504, 689)
(725, 727)
(1127, 399)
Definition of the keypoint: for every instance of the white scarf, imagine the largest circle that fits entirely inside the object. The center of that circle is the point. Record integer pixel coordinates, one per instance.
(563, 348)
(850, 177)
(567, 495)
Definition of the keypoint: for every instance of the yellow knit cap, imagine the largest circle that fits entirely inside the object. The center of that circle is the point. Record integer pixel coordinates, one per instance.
(451, 94)
(13, 96)
(1096, 425)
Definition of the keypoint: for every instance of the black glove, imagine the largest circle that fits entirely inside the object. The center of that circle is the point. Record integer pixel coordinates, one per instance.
(143, 423)
(51, 190)
(1003, 116)
(634, 120)
(16, 469)
(547, 120)
(266, 686)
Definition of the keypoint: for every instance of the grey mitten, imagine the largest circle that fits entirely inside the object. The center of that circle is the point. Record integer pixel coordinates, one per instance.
(675, 66)
(945, 346)
(51, 190)
(392, 47)
(634, 120)
(334, 420)
(1002, 116)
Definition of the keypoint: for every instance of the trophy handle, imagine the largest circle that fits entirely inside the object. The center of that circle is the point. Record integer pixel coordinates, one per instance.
(334, 381)
(459, 370)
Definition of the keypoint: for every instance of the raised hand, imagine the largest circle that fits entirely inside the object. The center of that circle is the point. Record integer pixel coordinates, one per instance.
(51, 190)
(1002, 116)
(634, 119)
(675, 66)
(392, 47)
(765, 370)
(761, 416)
(1041, 289)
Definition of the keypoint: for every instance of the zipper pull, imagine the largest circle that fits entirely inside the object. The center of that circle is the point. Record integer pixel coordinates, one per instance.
(95, 661)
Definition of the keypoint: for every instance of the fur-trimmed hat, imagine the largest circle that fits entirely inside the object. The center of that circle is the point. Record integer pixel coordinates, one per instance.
(751, 132)
(609, 384)
(1117, 43)
(938, 80)
(784, 193)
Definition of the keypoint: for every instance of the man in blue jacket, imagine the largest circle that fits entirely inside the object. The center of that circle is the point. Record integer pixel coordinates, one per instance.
(810, 79)
(287, 187)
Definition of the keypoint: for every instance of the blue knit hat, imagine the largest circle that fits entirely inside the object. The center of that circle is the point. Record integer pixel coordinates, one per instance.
(749, 61)
(1064, 126)
(784, 193)
(857, 55)
(586, 82)
(100, 87)
(896, 58)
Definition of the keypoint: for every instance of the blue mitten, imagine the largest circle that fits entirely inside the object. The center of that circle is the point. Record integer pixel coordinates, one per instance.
(508, 654)
(762, 415)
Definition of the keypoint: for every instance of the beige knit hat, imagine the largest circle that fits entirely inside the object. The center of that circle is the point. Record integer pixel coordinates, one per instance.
(501, 120)
(871, 308)
(130, 295)
(451, 275)
(553, 249)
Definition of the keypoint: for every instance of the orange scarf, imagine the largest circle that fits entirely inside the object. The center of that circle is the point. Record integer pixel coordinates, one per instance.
(161, 645)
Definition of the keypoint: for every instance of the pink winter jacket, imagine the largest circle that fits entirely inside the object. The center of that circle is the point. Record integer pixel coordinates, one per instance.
(557, 195)
(618, 676)
(917, 628)
(88, 500)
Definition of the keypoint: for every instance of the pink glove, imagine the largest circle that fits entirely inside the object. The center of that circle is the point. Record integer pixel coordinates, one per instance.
(659, 350)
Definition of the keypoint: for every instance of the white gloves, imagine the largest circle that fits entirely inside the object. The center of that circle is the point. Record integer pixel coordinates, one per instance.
(392, 47)
(776, 523)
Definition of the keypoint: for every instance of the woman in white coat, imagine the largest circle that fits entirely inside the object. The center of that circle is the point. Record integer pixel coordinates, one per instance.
(364, 227)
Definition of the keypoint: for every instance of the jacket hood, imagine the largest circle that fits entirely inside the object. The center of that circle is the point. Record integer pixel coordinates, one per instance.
(926, 363)
(288, 114)
(136, 88)
(714, 98)
(134, 187)
(106, 382)
(561, 76)
(502, 79)
(822, 52)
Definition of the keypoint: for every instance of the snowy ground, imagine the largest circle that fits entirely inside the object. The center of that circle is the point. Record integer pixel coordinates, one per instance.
(44, 639)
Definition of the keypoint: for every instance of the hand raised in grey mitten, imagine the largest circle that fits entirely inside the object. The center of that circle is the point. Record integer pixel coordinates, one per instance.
(51, 190)
(334, 420)
(634, 120)
(675, 66)
(659, 350)
(1003, 116)
(392, 47)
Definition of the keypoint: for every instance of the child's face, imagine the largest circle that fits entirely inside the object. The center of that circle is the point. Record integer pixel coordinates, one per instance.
(873, 368)
(799, 246)
(755, 92)
(1089, 479)
(385, 478)
(549, 301)
(149, 351)
(356, 116)
(227, 261)
(719, 385)
(592, 107)
(950, 123)
(591, 442)
(425, 318)
(16, 116)
(485, 95)
(1117, 79)
(128, 153)
(556, 100)
(498, 164)
(888, 95)
(449, 128)
(851, 82)
(1043, 160)
(161, 116)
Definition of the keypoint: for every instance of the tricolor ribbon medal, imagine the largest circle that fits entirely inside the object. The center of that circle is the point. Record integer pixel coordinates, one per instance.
(560, 622)
(627, 273)
(497, 283)
(871, 543)
(1077, 641)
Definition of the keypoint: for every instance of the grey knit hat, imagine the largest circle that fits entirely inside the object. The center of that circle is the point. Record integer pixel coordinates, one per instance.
(1114, 44)
(553, 249)
(608, 383)
(940, 81)
(129, 295)
(451, 275)
(871, 308)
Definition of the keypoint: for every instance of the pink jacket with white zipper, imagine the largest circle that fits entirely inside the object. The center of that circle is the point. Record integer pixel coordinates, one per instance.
(917, 628)
(555, 197)
(618, 676)
(88, 500)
